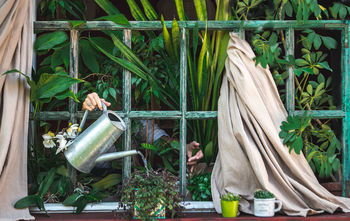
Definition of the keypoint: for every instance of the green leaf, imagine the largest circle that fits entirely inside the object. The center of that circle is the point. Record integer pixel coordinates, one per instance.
(89, 56)
(301, 62)
(69, 201)
(325, 65)
(175, 33)
(67, 94)
(76, 24)
(107, 6)
(118, 19)
(149, 10)
(201, 9)
(335, 9)
(317, 41)
(112, 92)
(45, 185)
(180, 9)
(136, 11)
(311, 155)
(148, 146)
(168, 42)
(108, 181)
(55, 84)
(49, 40)
(209, 151)
(26, 201)
(336, 164)
(309, 89)
(289, 9)
(329, 42)
(298, 144)
(342, 12)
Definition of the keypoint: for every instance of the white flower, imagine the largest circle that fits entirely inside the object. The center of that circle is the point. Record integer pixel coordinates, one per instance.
(63, 144)
(48, 142)
(72, 130)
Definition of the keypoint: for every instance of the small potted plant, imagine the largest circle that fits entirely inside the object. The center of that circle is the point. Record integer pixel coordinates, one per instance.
(152, 196)
(264, 203)
(229, 204)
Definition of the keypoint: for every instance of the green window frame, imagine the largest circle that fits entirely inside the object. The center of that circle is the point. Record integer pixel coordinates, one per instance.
(183, 114)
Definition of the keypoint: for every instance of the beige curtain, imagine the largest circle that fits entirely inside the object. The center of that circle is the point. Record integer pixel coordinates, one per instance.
(251, 154)
(16, 36)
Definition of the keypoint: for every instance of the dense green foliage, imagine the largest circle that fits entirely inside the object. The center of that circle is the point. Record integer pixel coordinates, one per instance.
(230, 197)
(263, 194)
(200, 187)
(154, 61)
(148, 191)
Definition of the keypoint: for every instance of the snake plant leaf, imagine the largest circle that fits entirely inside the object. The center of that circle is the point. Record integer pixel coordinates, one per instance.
(128, 53)
(201, 9)
(49, 40)
(124, 63)
(136, 11)
(135, 66)
(201, 62)
(180, 10)
(149, 10)
(167, 41)
(175, 33)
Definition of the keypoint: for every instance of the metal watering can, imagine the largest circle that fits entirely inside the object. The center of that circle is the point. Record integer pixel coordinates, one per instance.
(89, 146)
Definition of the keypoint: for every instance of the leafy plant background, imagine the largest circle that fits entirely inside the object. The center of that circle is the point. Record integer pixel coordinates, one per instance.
(154, 61)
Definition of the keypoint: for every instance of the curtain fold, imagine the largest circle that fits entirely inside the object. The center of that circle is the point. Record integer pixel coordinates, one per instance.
(16, 48)
(251, 154)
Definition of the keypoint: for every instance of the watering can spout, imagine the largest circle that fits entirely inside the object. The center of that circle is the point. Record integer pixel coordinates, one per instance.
(116, 155)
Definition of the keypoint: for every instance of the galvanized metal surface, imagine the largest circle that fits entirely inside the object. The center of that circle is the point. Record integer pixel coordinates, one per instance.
(95, 140)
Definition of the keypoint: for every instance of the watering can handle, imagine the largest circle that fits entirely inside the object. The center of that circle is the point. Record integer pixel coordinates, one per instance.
(86, 114)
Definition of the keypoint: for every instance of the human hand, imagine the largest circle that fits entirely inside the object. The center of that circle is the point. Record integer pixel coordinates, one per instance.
(192, 160)
(92, 101)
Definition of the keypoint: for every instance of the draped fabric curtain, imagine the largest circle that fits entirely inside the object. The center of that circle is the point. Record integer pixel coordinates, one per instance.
(16, 48)
(251, 154)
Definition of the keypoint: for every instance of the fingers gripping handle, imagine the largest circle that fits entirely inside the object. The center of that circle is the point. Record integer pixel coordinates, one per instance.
(86, 114)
